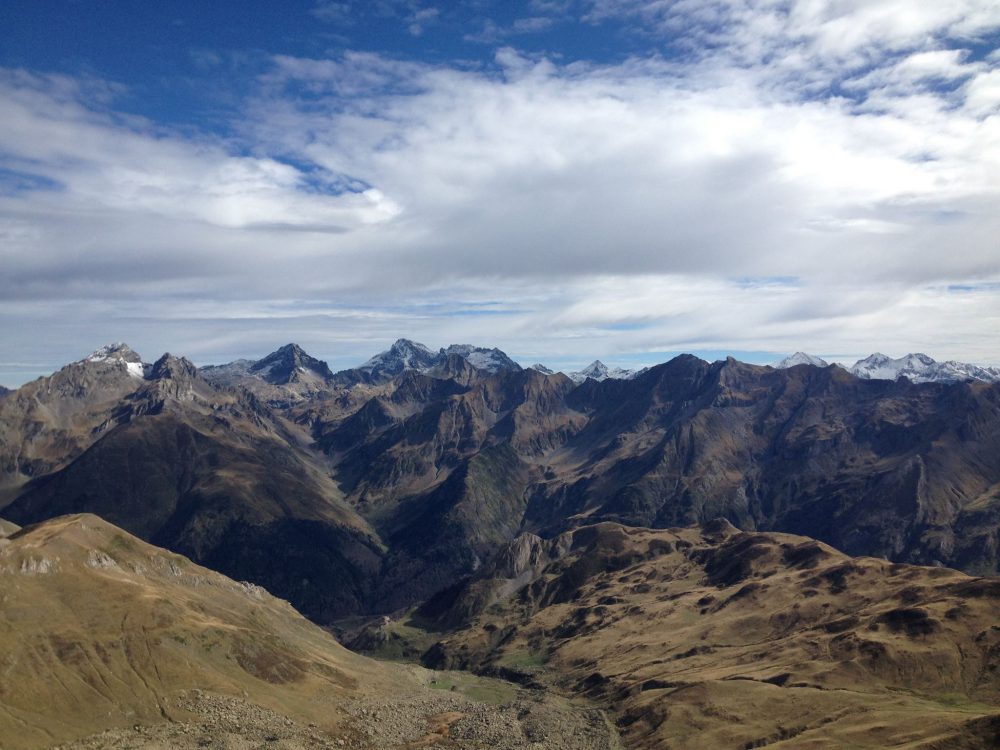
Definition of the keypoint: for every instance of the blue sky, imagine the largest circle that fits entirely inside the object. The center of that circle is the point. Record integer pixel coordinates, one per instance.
(622, 179)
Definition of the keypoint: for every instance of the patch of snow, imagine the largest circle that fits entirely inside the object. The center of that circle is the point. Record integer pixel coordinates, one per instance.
(920, 368)
(403, 354)
(409, 355)
(800, 358)
(599, 371)
(120, 353)
(490, 360)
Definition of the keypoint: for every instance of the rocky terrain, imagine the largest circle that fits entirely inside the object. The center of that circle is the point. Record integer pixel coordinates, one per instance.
(714, 638)
(431, 719)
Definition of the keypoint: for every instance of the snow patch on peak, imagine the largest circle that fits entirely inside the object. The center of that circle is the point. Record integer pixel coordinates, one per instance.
(599, 371)
(118, 350)
(122, 355)
(402, 355)
(405, 354)
(408, 345)
(801, 358)
(596, 369)
(920, 368)
(490, 360)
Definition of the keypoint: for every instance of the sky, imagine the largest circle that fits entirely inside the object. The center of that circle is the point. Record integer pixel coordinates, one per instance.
(563, 179)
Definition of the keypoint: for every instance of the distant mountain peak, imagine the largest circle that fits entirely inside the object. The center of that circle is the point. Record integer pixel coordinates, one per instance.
(801, 358)
(402, 344)
(288, 364)
(491, 360)
(542, 369)
(118, 350)
(595, 368)
(920, 368)
(122, 354)
(170, 367)
(406, 354)
(599, 371)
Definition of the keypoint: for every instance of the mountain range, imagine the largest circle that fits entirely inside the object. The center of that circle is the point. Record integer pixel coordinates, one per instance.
(291, 364)
(696, 535)
(397, 485)
(918, 368)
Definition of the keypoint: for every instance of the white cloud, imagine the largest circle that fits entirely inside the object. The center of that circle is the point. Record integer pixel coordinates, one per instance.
(608, 208)
(849, 32)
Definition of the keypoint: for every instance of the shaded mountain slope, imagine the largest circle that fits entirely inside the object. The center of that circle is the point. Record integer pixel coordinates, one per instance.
(714, 638)
(216, 476)
(445, 484)
(48, 422)
(874, 467)
(885, 468)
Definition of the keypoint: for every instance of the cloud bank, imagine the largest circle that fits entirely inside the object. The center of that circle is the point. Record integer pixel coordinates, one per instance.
(768, 176)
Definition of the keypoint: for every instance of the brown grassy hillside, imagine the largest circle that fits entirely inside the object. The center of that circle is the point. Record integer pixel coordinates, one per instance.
(99, 629)
(714, 638)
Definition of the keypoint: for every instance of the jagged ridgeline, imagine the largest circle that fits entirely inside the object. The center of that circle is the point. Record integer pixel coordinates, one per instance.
(372, 489)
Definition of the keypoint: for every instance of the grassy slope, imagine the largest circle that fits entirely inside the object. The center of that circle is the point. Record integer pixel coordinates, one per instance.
(98, 629)
(715, 639)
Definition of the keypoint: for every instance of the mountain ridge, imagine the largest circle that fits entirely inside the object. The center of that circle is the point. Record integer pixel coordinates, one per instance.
(916, 367)
(398, 488)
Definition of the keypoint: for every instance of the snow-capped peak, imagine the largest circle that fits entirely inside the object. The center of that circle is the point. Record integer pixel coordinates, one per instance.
(800, 358)
(122, 354)
(490, 360)
(118, 350)
(920, 368)
(402, 355)
(596, 370)
(405, 354)
(599, 371)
